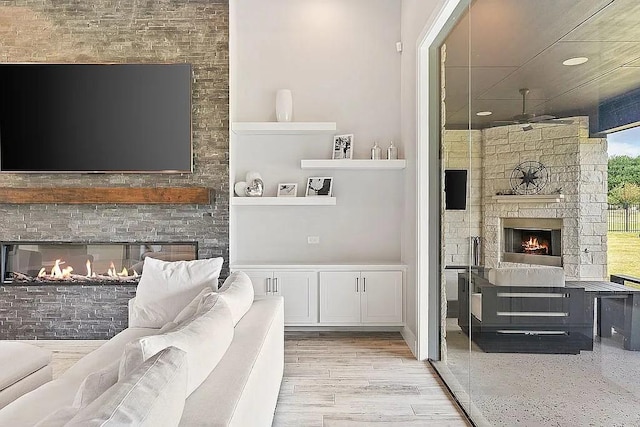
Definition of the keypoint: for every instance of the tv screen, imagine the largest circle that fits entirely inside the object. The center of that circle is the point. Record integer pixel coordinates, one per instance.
(95, 118)
(455, 187)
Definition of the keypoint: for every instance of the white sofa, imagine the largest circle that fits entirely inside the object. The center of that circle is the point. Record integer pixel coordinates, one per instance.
(242, 389)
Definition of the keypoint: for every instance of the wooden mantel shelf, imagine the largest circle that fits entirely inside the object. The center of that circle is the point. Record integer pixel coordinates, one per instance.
(106, 195)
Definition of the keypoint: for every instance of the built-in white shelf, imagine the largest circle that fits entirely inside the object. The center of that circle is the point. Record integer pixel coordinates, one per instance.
(282, 128)
(357, 164)
(284, 201)
(529, 198)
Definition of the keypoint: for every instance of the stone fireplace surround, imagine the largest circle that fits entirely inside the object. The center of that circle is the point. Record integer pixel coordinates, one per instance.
(578, 169)
(120, 32)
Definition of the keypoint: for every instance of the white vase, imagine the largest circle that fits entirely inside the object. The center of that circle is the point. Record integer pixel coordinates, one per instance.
(284, 105)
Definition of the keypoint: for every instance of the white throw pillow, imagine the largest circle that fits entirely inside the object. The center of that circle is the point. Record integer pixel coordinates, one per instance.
(95, 384)
(237, 292)
(205, 338)
(192, 307)
(165, 288)
(152, 395)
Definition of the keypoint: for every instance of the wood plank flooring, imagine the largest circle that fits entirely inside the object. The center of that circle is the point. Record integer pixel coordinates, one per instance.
(335, 379)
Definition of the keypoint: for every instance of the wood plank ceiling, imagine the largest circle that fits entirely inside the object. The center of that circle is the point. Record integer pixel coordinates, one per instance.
(513, 44)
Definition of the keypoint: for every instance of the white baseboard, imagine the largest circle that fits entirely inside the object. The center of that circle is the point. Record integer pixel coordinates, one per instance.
(410, 339)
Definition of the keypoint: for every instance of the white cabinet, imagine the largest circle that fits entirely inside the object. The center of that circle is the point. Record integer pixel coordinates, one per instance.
(298, 288)
(361, 297)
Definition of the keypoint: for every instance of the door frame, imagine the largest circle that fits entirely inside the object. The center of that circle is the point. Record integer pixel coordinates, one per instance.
(428, 280)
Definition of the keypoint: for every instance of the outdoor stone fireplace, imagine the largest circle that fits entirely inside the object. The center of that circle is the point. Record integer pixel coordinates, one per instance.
(532, 241)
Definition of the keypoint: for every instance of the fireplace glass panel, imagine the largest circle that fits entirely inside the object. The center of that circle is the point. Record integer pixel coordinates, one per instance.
(86, 263)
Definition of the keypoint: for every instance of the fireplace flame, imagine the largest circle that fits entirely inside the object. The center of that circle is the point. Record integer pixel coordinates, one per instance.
(88, 268)
(533, 246)
(111, 272)
(124, 272)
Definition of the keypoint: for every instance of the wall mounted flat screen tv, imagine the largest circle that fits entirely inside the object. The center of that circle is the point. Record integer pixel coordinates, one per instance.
(455, 187)
(133, 118)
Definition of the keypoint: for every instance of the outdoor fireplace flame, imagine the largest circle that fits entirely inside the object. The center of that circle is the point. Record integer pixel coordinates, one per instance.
(533, 246)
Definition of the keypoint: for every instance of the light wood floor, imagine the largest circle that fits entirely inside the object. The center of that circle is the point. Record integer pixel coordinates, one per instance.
(338, 379)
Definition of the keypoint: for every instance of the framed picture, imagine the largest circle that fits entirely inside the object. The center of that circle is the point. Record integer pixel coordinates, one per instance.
(343, 146)
(319, 186)
(287, 190)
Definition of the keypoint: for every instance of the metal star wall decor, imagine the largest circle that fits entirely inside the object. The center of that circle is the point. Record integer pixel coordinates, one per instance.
(529, 177)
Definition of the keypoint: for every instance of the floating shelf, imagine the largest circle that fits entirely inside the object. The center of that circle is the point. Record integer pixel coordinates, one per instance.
(529, 198)
(283, 201)
(358, 164)
(282, 128)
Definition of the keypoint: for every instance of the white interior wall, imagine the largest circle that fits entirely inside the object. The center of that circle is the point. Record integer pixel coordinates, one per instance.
(339, 59)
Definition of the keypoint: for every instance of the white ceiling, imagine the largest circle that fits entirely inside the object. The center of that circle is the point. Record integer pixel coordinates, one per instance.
(513, 44)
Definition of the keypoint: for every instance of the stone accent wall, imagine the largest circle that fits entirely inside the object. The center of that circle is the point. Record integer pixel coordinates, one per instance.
(114, 31)
(462, 149)
(577, 166)
(63, 311)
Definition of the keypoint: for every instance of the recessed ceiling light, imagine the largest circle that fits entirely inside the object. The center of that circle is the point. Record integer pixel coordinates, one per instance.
(484, 113)
(575, 61)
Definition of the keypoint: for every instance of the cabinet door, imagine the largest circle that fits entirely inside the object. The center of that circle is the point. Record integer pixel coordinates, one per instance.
(340, 297)
(381, 297)
(300, 292)
(261, 280)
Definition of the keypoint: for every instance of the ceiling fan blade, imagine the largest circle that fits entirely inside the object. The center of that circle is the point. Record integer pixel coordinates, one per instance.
(542, 118)
(504, 122)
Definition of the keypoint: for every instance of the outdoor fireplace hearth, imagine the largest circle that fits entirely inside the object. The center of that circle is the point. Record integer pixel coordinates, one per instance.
(35, 263)
(532, 241)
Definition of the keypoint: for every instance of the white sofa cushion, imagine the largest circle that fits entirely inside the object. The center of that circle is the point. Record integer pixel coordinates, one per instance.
(95, 384)
(237, 292)
(205, 337)
(527, 276)
(24, 359)
(165, 288)
(192, 308)
(243, 388)
(152, 395)
(59, 418)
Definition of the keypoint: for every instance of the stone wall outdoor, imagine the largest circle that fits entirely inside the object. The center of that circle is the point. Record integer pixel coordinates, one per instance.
(114, 31)
(462, 149)
(577, 167)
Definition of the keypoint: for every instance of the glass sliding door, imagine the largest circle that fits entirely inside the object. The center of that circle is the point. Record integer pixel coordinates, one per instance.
(540, 179)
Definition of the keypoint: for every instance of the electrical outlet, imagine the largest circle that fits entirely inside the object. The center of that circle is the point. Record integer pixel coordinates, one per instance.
(313, 240)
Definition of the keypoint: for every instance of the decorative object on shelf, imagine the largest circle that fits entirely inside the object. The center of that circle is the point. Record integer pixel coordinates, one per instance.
(319, 186)
(376, 152)
(287, 190)
(529, 177)
(392, 152)
(343, 146)
(255, 185)
(240, 188)
(284, 105)
(255, 188)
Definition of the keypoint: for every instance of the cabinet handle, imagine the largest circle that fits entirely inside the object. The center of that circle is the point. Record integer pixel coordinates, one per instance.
(268, 285)
(275, 284)
(357, 279)
(364, 284)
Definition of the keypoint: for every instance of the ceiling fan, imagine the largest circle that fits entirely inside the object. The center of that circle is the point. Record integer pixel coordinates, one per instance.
(526, 119)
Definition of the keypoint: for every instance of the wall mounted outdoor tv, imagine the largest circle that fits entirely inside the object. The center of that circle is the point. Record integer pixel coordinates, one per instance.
(95, 118)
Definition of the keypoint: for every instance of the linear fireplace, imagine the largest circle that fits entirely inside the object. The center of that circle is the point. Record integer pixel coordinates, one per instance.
(86, 264)
(532, 241)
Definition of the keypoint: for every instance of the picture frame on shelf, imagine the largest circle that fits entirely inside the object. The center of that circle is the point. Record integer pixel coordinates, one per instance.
(319, 186)
(287, 189)
(343, 147)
